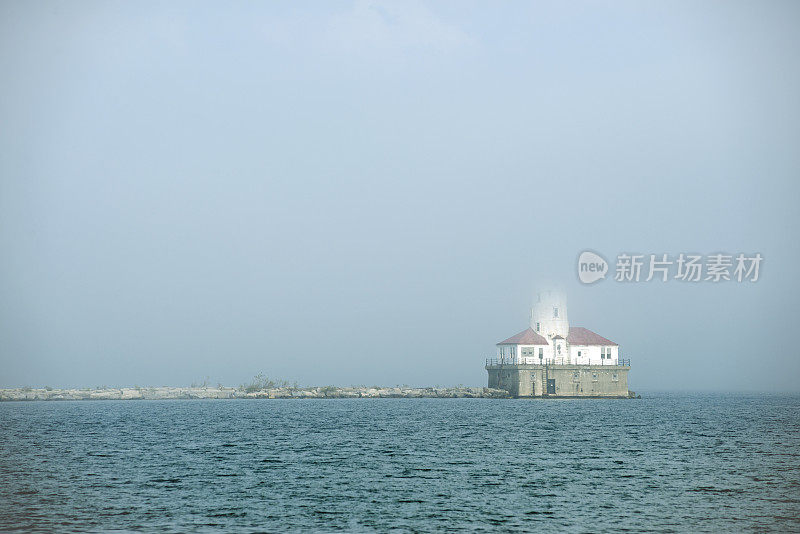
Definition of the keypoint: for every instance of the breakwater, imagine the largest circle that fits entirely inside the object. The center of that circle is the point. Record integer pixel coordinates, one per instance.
(326, 392)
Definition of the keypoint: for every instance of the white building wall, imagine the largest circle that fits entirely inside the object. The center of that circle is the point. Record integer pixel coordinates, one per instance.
(614, 355)
(561, 356)
(590, 354)
(529, 354)
(505, 351)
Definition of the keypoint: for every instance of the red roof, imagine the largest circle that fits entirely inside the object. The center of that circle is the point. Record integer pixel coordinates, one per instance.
(582, 336)
(526, 337)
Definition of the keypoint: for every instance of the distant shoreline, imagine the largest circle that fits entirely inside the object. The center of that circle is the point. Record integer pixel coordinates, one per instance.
(188, 393)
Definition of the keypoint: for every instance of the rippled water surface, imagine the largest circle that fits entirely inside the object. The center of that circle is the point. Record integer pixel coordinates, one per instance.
(664, 463)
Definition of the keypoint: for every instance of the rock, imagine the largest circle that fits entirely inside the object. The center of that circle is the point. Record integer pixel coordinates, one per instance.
(330, 392)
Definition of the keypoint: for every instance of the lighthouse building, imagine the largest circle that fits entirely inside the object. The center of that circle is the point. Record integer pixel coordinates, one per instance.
(551, 358)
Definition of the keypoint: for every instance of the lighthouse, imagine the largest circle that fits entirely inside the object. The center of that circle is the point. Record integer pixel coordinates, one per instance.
(549, 319)
(552, 358)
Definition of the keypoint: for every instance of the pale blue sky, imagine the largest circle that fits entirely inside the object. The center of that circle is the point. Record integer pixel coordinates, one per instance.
(369, 192)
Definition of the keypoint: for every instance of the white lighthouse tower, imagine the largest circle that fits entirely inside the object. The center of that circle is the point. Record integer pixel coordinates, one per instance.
(549, 319)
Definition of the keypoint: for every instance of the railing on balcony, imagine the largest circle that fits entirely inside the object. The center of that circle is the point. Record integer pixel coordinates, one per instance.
(548, 361)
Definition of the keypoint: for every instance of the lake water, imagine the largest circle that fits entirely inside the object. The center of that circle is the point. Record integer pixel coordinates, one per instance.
(668, 463)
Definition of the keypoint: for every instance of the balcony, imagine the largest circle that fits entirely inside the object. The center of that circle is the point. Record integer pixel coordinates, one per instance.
(546, 361)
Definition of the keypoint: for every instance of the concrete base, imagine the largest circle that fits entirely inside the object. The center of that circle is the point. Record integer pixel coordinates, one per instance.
(527, 380)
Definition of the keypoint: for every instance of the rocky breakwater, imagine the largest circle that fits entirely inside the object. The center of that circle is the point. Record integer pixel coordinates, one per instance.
(327, 392)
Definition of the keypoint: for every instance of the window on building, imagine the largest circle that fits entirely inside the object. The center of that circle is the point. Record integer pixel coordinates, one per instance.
(579, 354)
(615, 377)
(555, 312)
(594, 377)
(537, 327)
(559, 348)
(541, 353)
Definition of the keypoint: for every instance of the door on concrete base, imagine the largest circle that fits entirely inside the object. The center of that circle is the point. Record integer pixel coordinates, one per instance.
(551, 386)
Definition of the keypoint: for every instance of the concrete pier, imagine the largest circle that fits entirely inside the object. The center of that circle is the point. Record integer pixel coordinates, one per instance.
(529, 380)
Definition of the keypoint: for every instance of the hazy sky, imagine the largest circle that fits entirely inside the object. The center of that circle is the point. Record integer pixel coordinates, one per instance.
(370, 192)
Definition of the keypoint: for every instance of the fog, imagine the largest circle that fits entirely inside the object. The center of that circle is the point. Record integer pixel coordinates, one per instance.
(371, 193)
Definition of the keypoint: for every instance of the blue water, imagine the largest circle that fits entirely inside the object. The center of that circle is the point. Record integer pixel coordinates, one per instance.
(668, 463)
